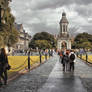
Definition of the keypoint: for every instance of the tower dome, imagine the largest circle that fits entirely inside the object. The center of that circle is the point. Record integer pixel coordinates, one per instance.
(63, 14)
(64, 19)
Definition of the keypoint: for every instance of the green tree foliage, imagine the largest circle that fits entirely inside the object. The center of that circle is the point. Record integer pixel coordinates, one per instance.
(4, 27)
(8, 33)
(12, 37)
(43, 40)
(87, 45)
(42, 44)
(83, 40)
(8, 38)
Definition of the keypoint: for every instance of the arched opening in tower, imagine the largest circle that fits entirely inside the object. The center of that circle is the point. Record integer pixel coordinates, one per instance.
(64, 45)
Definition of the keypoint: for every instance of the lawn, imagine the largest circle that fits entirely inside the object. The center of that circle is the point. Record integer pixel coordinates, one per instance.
(20, 62)
(89, 58)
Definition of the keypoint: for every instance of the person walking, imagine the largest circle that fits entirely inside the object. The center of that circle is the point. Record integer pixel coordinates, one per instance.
(65, 61)
(46, 54)
(72, 57)
(5, 66)
(49, 52)
(1, 72)
(60, 56)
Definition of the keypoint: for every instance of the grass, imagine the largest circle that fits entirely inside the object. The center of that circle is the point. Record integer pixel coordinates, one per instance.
(20, 62)
(89, 58)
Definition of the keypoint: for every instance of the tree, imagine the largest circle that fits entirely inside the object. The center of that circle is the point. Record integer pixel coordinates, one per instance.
(8, 38)
(87, 45)
(83, 40)
(42, 44)
(43, 40)
(12, 37)
(3, 34)
(8, 33)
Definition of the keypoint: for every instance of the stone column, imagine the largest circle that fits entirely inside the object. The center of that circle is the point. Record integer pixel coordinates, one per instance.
(62, 28)
(69, 44)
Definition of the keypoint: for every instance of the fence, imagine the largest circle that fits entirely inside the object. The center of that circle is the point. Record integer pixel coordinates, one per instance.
(21, 62)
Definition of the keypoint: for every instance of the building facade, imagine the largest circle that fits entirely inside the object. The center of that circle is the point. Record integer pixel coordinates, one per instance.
(24, 38)
(64, 40)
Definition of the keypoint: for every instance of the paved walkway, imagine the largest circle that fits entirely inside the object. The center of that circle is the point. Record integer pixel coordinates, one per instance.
(59, 81)
(49, 77)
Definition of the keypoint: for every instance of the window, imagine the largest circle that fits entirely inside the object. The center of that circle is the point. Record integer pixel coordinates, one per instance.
(63, 28)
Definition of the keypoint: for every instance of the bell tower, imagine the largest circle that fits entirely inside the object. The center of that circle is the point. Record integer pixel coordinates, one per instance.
(64, 41)
(64, 25)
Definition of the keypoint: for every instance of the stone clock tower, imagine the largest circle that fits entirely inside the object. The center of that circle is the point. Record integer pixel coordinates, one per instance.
(64, 41)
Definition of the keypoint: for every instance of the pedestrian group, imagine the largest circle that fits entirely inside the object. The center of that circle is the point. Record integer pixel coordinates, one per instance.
(67, 59)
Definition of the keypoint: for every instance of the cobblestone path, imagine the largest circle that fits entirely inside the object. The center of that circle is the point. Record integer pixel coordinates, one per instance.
(50, 78)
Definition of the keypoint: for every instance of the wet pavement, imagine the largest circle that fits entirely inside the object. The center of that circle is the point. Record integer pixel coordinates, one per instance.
(59, 81)
(49, 77)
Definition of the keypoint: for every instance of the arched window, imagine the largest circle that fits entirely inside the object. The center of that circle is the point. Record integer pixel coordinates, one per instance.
(63, 28)
(64, 44)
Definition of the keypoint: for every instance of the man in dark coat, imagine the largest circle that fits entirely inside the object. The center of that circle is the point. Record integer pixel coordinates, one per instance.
(3, 65)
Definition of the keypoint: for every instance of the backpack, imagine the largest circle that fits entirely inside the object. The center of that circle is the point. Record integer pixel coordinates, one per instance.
(72, 57)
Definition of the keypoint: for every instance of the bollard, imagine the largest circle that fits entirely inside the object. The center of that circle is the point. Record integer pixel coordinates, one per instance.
(86, 57)
(29, 60)
(46, 57)
(40, 59)
(80, 56)
(40, 56)
(49, 53)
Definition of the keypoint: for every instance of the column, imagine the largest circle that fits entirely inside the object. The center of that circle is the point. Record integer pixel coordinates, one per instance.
(62, 28)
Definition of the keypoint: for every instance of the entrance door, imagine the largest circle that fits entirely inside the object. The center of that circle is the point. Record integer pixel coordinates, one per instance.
(64, 45)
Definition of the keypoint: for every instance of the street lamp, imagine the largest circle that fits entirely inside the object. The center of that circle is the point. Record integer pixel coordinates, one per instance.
(1, 13)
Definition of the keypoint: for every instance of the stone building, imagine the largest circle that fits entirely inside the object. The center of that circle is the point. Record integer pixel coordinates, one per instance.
(23, 40)
(64, 40)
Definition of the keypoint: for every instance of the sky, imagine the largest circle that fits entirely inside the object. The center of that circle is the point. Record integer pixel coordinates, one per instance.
(44, 15)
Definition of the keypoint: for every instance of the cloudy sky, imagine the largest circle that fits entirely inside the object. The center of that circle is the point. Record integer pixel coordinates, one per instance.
(44, 15)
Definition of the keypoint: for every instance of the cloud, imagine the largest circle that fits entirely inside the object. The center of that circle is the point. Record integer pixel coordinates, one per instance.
(44, 15)
(44, 4)
(90, 20)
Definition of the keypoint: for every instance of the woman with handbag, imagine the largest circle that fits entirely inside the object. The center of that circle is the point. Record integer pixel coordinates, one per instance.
(5, 65)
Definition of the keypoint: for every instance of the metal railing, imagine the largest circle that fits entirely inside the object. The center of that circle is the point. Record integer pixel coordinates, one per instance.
(28, 60)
